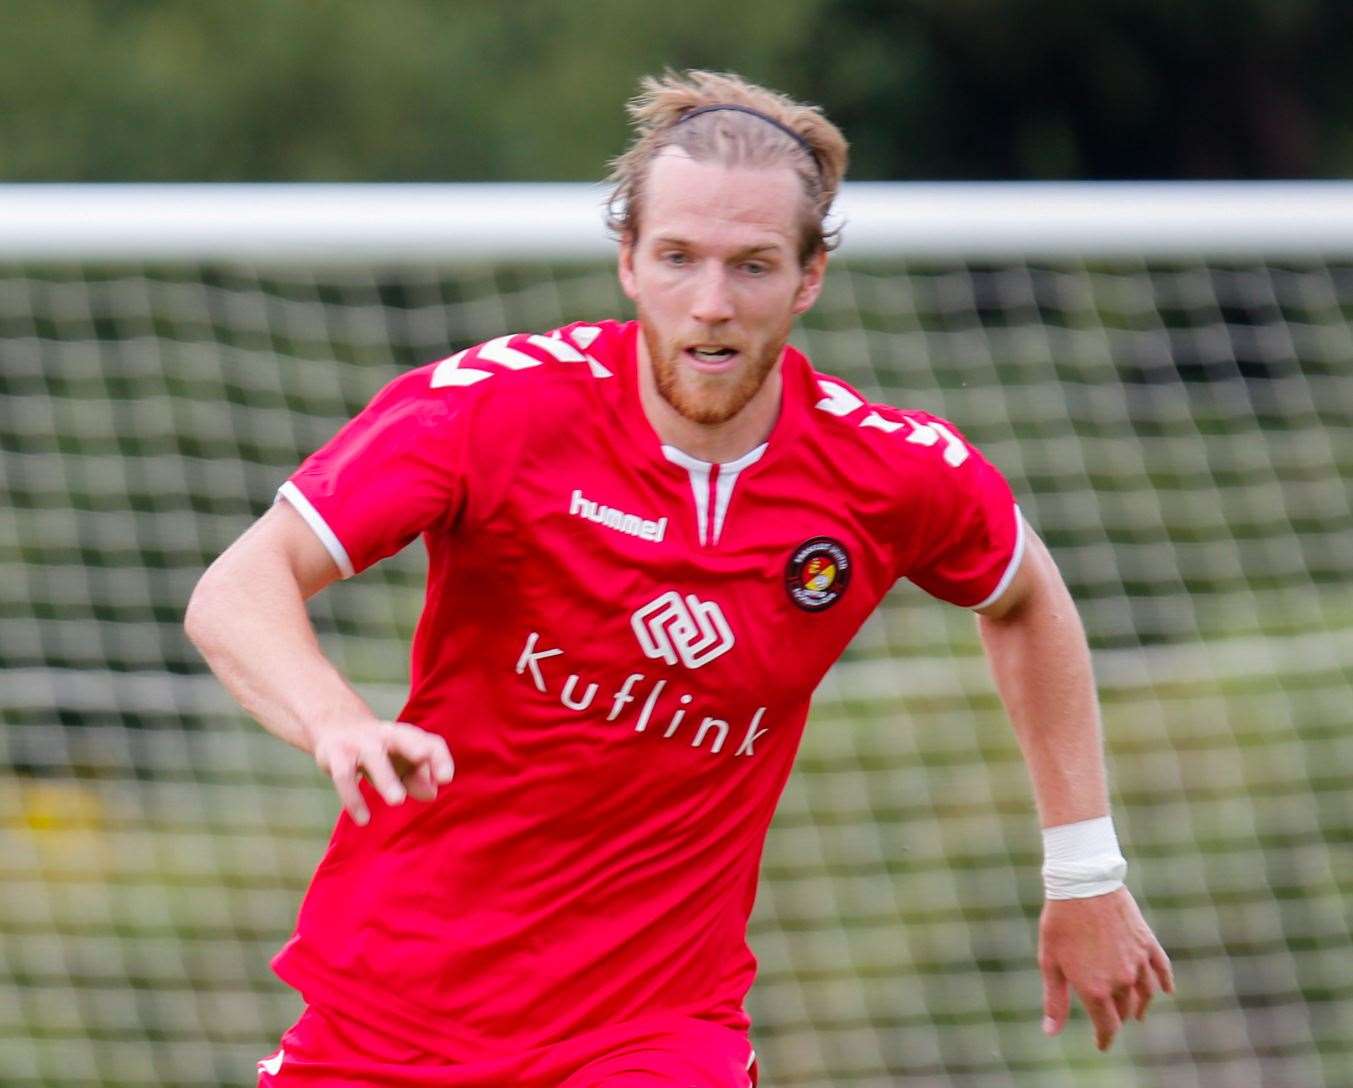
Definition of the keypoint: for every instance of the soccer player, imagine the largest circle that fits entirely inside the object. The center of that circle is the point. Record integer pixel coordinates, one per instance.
(647, 541)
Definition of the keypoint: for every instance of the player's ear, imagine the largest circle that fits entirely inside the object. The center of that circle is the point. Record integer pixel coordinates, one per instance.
(811, 286)
(625, 268)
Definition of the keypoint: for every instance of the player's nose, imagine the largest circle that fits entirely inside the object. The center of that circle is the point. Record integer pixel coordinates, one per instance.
(712, 302)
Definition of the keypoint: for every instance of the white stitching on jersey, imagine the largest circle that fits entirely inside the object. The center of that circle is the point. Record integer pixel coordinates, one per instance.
(723, 489)
(318, 526)
(1011, 567)
(450, 373)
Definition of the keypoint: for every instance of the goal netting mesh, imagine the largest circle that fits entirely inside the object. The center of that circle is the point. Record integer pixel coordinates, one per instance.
(1180, 431)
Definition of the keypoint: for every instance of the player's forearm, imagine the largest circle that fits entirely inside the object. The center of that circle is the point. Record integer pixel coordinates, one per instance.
(252, 628)
(1041, 664)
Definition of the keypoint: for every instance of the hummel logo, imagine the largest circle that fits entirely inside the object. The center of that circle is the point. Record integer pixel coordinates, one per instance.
(621, 522)
(272, 1065)
(672, 626)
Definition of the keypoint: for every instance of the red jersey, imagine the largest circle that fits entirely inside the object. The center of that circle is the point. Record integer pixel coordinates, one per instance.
(619, 645)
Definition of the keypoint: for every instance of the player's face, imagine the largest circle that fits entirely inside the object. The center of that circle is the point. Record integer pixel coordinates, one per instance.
(716, 279)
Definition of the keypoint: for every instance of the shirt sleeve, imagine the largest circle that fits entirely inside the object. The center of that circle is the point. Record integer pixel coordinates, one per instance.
(396, 469)
(963, 534)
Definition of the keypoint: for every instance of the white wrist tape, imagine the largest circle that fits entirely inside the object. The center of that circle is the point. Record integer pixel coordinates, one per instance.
(1082, 859)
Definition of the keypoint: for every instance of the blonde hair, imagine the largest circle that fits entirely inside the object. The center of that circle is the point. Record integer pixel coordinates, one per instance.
(731, 138)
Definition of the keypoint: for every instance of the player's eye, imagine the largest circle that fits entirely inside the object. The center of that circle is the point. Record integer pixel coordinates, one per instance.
(755, 268)
(674, 257)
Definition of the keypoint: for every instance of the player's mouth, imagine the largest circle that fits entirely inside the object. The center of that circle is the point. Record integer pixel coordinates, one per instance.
(711, 358)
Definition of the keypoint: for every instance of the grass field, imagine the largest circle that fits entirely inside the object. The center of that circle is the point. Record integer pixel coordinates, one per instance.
(143, 895)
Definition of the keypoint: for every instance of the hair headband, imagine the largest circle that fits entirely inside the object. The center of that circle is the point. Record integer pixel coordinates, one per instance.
(754, 113)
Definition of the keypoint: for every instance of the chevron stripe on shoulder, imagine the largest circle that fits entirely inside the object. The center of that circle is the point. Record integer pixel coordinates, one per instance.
(921, 428)
(519, 351)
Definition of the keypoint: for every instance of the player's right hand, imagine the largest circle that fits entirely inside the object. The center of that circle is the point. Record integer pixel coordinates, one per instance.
(400, 760)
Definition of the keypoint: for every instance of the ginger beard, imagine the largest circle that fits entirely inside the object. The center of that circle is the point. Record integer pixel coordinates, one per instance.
(710, 399)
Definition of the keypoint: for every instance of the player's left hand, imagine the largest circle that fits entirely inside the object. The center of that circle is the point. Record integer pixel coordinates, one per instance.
(1103, 949)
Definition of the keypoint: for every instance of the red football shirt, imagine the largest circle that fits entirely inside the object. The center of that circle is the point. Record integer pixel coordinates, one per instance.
(619, 645)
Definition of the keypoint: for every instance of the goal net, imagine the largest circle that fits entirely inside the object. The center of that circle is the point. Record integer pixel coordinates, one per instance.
(1166, 377)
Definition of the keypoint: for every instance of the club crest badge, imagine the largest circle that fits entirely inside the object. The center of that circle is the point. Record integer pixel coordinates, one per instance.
(817, 573)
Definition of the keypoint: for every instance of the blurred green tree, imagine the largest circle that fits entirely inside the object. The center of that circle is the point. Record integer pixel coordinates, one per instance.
(464, 90)
(348, 90)
(1064, 89)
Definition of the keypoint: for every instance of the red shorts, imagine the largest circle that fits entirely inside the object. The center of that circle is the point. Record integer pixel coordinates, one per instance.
(324, 1049)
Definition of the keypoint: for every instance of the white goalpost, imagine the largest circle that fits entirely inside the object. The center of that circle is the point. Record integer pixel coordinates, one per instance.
(1164, 372)
(348, 224)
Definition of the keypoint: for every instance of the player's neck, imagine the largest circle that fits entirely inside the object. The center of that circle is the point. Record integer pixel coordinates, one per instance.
(717, 443)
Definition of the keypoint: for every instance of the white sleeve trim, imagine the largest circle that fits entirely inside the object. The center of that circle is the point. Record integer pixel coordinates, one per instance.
(1011, 568)
(319, 526)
